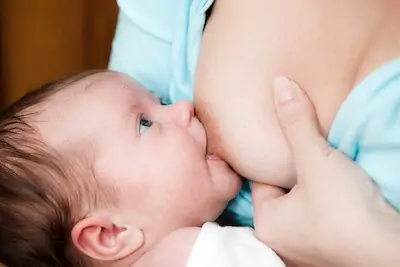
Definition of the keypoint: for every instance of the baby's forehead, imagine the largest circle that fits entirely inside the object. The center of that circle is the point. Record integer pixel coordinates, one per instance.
(97, 82)
(104, 86)
(109, 83)
(91, 100)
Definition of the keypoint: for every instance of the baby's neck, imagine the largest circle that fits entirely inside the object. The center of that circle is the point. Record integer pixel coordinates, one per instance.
(173, 250)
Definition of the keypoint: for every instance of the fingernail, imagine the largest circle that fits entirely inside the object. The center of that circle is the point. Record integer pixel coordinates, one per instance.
(284, 90)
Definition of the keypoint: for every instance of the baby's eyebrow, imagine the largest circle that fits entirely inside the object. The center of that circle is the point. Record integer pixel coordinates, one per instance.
(133, 109)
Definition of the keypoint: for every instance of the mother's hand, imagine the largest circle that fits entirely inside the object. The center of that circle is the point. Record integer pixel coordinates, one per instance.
(335, 215)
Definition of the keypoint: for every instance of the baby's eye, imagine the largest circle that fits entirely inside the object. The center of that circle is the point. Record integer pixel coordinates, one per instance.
(145, 124)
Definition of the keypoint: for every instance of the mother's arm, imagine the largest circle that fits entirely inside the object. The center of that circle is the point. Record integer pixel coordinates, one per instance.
(246, 44)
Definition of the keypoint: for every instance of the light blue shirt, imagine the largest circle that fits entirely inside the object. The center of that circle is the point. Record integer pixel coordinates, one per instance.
(367, 129)
(157, 43)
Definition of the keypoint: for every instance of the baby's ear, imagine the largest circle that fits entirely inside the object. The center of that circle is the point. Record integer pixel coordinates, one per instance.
(104, 239)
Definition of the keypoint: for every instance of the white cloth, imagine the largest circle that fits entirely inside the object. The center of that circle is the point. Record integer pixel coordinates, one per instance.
(218, 246)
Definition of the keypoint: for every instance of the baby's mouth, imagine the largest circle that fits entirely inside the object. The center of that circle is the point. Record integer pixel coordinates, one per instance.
(213, 157)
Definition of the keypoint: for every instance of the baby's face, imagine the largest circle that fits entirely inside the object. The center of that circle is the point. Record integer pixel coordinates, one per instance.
(155, 155)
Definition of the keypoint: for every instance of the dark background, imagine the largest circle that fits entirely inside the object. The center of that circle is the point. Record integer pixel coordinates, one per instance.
(43, 40)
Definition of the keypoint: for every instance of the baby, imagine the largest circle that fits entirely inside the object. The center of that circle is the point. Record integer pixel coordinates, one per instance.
(94, 171)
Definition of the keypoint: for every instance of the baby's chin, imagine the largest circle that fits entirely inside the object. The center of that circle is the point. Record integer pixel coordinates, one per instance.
(226, 181)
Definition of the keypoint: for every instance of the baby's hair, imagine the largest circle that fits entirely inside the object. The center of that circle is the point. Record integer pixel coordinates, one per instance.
(41, 197)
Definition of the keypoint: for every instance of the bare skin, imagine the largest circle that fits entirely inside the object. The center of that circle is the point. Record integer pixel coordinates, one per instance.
(327, 46)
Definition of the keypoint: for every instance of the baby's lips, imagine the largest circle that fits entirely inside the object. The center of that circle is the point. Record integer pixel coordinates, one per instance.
(213, 157)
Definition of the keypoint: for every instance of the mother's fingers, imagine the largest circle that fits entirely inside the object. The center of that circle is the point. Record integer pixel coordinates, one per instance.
(262, 192)
(269, 210)
(265, 196)
(298, 120)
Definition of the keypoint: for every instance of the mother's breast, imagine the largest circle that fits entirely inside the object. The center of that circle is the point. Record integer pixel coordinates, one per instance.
(244, 47)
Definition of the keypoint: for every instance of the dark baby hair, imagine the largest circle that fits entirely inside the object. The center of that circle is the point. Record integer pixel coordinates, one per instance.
(40, 193)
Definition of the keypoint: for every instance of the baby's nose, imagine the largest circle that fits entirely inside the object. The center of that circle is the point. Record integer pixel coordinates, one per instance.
(182, 112)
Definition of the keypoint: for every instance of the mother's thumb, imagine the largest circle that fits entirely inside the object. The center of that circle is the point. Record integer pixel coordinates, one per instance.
(297, 118)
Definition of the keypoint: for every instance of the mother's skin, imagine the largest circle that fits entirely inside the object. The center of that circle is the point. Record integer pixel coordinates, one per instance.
(320, 44)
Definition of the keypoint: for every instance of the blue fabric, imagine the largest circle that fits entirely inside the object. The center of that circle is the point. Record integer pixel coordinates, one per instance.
(240, 209)
(142, 43)
(157, 43)
(367, 129)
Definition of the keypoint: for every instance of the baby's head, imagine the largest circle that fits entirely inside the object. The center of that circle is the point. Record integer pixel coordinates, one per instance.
(94, 169)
